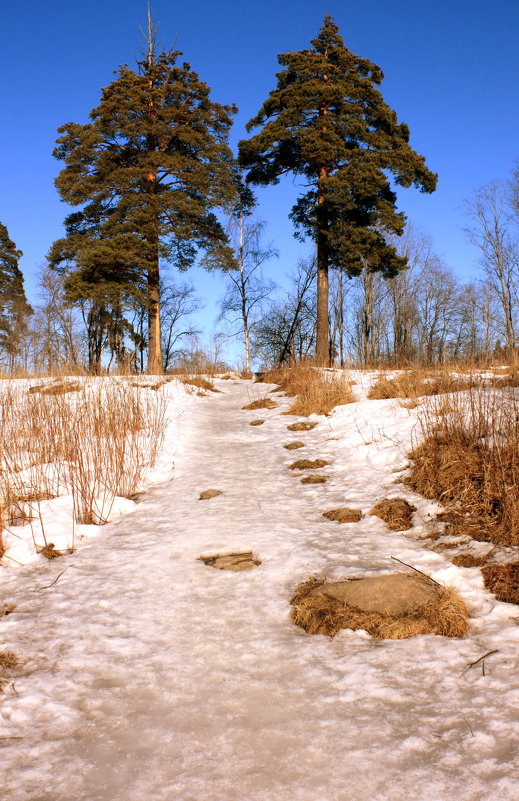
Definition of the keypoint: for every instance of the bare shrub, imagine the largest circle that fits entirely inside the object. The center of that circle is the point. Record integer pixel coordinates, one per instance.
(469, 461)
(316, 392)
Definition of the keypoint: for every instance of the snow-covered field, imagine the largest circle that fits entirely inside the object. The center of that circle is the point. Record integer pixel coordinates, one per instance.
(146, 675)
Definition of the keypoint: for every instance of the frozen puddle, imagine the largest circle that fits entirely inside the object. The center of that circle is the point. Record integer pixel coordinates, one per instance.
(148, 676)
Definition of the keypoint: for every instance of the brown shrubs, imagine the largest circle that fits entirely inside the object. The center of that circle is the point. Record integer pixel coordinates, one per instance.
(503, 581)
(319, 613)
(469, 460)
(316, 392)
(397, 513)
(344, 515)
(263, 403)
(308, 464)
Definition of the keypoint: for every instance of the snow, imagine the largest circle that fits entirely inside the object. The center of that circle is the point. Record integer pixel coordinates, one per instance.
(146, 674)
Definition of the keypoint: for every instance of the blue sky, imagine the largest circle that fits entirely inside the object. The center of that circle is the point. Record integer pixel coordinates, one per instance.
(450, 72)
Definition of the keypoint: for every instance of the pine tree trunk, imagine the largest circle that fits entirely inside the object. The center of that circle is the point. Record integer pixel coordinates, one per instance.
(322, 349)
(155, 365)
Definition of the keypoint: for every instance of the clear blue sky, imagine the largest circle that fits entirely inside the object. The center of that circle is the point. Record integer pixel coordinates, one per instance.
(451, 70)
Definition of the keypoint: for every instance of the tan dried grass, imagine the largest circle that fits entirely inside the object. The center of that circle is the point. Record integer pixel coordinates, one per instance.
(468, 560)
(314, 479)
(343, 515)
(292, 446)
(412, 384)
(61, 388)
(316, 392)
(322, 614)
(256, 422)
(200, 382)
(503, 581)
(231, 561)
(308, 464)
(397, 513)
(262, 403)
(302, 426)
(210, 493)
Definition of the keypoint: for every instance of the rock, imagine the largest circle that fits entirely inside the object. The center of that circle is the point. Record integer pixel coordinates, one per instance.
(396, 594)
(231, 561)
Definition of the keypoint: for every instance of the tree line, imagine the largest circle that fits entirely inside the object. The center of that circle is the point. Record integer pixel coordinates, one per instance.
(151, 176)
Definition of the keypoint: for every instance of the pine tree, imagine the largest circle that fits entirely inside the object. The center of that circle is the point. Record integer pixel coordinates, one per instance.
(328, 122)
(14, 308)
(149, 169)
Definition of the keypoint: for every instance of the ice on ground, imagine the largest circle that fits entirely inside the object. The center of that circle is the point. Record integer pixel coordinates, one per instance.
(148, 675)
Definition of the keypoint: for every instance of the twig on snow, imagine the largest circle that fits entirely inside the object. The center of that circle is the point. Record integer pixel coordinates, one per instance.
(46, 587)
(417, 571)
(481, 658)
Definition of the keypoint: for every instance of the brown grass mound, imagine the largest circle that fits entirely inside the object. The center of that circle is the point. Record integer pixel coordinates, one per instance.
(256, 422)
(468, 560)
(292, 446)
(417, 384)
(50, 552)
(305, 464)
(231, 561)
(301, 426)
(57, 389)
(344, 515)
(317, 392)
(210, 493)
(263, 403)
(503, 581)
(201, 383)
(397, 513)
(314, 479)
(439, 611)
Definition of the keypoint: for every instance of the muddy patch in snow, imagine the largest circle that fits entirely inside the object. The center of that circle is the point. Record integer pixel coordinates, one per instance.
(395, 606)
(292, 446)
(314, 479)
(302, 426)
(231, 561)
(256, 422)
(308, 464)
(263, 403)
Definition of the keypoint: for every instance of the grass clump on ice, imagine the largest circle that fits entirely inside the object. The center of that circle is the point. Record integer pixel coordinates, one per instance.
(316, 392)
(397, 513)
(200, 382)
(261, 403)
(503, 581)
(319, 613)
(469, 461)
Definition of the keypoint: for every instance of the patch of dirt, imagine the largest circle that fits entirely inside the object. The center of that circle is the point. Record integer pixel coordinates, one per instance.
(314, 479)
(6, 609)
(263, 403)
(56, 389)
(395, 606)
(344, 515)
(210, 493)
(231, 561)
(256, 422)
(292, 446)
(503, 581)
(302, 426)
(308, 464)
(397, 513)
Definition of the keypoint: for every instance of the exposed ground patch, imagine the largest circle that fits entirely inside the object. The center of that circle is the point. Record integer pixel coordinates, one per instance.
(344, 515)
(397, 513)
(231, 561)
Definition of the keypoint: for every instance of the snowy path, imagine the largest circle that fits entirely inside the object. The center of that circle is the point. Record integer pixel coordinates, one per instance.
(149, 676)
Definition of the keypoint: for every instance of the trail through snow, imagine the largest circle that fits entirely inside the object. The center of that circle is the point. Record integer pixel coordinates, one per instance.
(147, 675)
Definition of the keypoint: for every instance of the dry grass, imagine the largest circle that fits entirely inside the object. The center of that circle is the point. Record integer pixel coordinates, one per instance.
(200, 382)
(321, 614)
(314, 479)
(469, 560)
(397, 513)
(308, 464)
(316, 392)
(292, 446)
(343, 515)
(206, 495)
(469, 461)
(262, 403)
(503, 581)
(412, 384)
(60, 388)
(256, 422)
(302, 426)
(8, 661)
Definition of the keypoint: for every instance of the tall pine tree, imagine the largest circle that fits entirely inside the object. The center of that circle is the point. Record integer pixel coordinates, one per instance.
(150, 168)
(14, 308)
(327, 121)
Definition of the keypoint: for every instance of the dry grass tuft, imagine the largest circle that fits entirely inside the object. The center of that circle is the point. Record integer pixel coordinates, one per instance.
(50, 552)
(469, 560)
(200, 382)
(503, 581)
(61, 388)
(397, 513)
(414, 384)
(344, 515)
(8, 661)
(318, 613)
(292, 446)
(256, 422)
(210, 493)
(316, 392)
(262, 403)
(305, 464)
(302, 426)
(469, 461)
(314, 479)
(231, 561)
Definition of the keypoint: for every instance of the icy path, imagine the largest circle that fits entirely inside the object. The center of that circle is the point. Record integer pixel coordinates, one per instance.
(151, 677)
